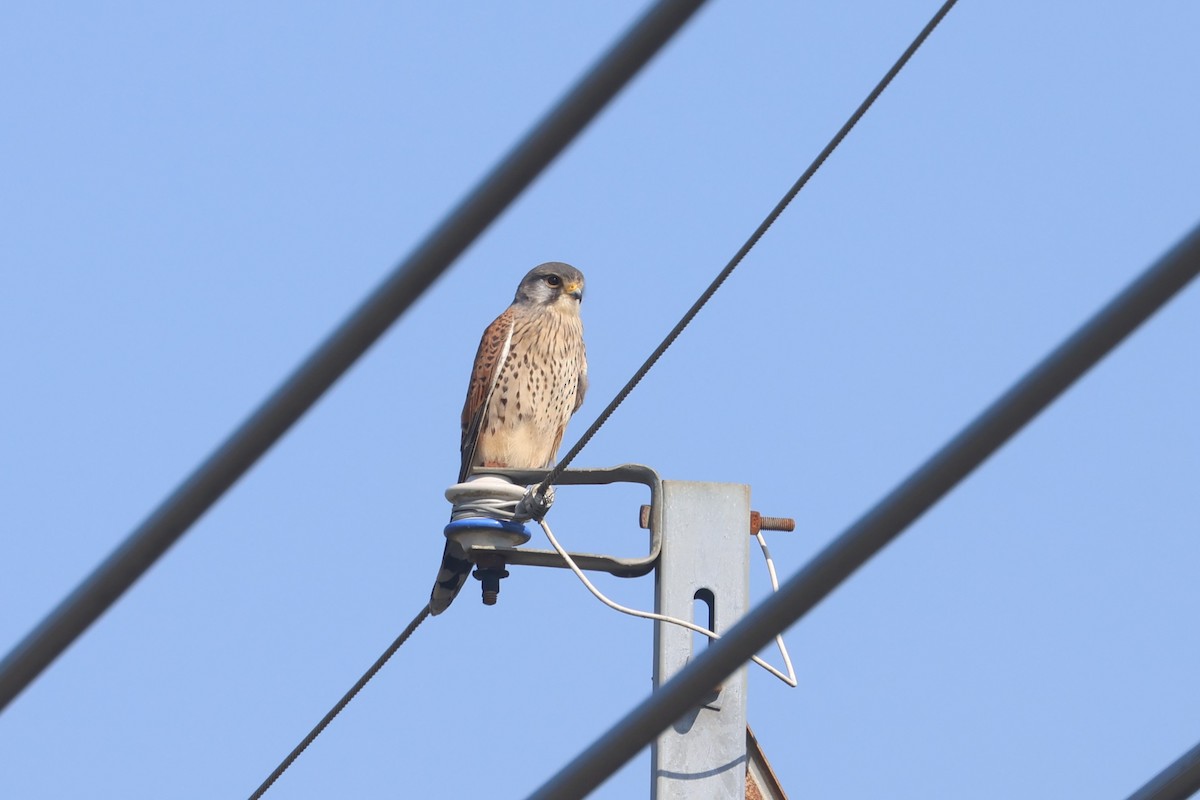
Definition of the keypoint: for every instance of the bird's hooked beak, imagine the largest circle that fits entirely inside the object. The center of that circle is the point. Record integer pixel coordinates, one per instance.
(575, 290)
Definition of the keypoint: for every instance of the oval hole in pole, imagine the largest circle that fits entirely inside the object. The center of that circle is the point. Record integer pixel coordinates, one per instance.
(704, 615)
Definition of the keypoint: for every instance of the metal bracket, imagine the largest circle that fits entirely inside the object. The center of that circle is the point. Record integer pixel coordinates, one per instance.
(621, 567)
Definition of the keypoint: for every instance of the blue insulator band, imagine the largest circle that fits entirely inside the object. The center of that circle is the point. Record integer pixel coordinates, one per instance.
(485, 523)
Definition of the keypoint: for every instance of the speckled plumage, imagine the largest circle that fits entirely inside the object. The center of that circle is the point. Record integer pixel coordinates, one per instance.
(529, 377)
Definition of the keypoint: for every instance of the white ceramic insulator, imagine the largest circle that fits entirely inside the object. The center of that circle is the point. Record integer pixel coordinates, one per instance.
(484, 487)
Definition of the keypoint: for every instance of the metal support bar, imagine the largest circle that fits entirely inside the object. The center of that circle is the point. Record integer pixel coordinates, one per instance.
(1177, 782)
(703, 577)
(621, 567)
(334, 356)
(878, 526)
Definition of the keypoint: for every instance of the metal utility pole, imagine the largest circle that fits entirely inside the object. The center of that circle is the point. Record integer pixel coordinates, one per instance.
(994, 426)
(699, 550)
(703, 577)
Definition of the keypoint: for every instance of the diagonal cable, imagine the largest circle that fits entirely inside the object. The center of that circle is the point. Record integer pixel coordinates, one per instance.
(745, 248)
(345, 701)
(882, 523)
(433, 256)
(1178, 781)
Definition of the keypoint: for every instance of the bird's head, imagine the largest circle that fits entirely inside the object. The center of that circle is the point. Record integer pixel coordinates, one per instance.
(553, 284)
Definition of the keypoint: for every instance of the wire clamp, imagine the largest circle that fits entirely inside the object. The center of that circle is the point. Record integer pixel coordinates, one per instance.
(535, 505)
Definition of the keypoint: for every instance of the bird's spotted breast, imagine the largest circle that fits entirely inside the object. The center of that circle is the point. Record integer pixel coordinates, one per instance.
(539, 380)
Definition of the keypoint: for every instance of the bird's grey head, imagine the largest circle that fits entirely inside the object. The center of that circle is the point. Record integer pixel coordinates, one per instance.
(551, 284)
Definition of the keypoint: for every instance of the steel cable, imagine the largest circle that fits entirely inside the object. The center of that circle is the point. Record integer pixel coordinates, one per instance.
(334, 356)
(745, 248)
(645, 368)
(346, 698)
(887, 519)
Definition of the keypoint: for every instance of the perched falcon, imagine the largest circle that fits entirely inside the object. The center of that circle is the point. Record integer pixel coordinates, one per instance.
(529, 378)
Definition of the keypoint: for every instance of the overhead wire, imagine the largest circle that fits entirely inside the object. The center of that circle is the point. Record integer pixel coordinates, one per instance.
(878, 526)
(717, 282)
(340, 704)
(343, 347)
(637, 377)
(1177, 781)
(887, 519)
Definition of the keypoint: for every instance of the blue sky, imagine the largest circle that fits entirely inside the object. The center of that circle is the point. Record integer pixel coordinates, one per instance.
(195, 195)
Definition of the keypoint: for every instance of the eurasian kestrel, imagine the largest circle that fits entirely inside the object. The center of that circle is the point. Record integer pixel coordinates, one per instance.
(529, 378)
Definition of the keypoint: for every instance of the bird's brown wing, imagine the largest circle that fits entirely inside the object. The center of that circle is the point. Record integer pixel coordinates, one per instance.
(489, 360)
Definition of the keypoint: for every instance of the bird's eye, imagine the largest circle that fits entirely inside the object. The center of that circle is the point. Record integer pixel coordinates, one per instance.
(554, 280)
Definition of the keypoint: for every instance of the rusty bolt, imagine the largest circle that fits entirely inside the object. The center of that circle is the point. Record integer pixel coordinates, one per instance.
(760, 523)
(757, 522)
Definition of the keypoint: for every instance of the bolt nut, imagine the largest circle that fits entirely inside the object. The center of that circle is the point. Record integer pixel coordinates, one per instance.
(490, 578)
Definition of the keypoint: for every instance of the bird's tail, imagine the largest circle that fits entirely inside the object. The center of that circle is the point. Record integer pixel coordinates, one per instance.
(450, 579)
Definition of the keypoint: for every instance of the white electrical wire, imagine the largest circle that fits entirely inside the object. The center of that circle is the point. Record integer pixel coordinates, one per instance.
(498, 498)
(480, 502)
(762, 542)
(789, 679)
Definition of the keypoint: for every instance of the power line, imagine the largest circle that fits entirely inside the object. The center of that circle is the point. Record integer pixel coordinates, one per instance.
(337, 708)
(192, 498)
(745, 248)
(1178, 781)
(886, 520)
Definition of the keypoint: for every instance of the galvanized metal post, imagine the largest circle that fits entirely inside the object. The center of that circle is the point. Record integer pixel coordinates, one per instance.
(703, 576)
